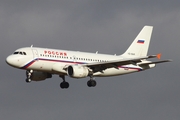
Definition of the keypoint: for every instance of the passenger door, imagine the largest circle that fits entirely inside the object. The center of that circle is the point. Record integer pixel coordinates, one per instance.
(35, 54)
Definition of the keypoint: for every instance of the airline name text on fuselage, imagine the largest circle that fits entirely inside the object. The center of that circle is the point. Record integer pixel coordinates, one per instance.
(49, 52)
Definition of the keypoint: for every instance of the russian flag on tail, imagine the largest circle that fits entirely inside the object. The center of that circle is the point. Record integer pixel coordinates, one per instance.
(141, 41)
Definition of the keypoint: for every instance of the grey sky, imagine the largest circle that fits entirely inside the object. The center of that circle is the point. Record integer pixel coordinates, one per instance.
(85, 25)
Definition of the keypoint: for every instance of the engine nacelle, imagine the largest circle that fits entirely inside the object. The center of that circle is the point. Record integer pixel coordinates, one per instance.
(40, 76)
(77, 71)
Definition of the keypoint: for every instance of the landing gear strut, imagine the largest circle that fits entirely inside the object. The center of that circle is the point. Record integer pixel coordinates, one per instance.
(28, 75)
(91, 82)
(64, 84)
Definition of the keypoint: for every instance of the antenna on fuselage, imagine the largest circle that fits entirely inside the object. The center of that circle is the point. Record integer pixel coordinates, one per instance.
(31, 46)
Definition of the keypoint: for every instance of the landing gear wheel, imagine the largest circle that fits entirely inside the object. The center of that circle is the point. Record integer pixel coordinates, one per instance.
(64, 85)
(91, 83)
(28, 80)
(28, 75)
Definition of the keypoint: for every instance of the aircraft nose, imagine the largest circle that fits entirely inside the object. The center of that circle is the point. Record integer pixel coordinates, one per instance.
(9, 60)
(12, 61)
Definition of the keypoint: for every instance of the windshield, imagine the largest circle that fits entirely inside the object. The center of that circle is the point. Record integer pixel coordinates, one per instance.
(20, 53)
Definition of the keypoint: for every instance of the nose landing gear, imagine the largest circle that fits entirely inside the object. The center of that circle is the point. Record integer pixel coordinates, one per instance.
(28, 75)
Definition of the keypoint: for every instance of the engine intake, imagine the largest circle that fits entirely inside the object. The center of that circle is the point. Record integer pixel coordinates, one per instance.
(77, 71)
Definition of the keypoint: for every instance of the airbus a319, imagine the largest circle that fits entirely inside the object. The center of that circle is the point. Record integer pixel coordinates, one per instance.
(42, 63)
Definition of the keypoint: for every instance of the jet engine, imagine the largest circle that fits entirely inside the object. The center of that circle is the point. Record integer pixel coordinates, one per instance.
(40, 76)
(77, 71)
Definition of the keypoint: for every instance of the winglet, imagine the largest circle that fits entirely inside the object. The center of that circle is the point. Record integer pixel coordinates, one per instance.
(158, 56)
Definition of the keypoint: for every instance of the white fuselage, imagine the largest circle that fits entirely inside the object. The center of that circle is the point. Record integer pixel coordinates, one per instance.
(45, 60)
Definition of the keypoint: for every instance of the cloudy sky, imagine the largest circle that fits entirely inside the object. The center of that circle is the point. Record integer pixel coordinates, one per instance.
(107, 26)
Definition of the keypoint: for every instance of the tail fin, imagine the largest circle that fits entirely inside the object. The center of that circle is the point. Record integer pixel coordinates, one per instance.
(140, 45)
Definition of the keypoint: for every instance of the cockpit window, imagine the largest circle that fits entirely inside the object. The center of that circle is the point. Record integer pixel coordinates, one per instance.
(16, 52)
(24, 53)
(20, 53)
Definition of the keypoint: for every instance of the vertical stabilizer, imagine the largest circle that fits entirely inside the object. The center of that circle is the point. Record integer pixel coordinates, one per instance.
(140, 45)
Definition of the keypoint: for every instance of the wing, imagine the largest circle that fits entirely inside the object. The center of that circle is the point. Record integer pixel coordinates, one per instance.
(115, 63)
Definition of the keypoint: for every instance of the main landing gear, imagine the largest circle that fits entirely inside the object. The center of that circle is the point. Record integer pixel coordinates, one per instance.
(28, 75)
(91, 82)
(64, 84)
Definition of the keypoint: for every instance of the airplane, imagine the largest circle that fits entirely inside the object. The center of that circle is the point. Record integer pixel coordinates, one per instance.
(42, 63)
